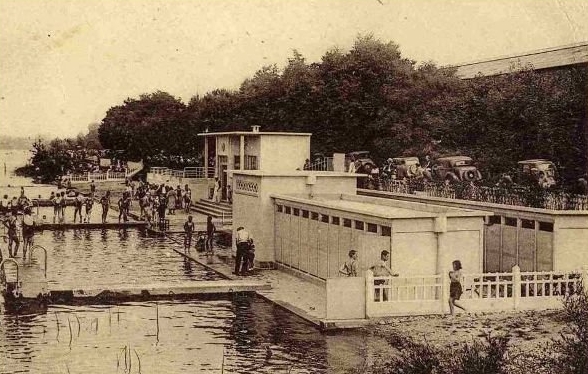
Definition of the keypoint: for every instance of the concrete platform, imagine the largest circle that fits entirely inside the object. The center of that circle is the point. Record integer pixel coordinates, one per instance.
(156, 291)
(108, 225)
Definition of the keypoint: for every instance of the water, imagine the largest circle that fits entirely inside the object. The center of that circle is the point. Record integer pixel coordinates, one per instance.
(172, 337)
(241, 334)
(87, 259)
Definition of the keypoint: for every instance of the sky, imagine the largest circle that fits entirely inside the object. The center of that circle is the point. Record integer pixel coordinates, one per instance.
(64, 63)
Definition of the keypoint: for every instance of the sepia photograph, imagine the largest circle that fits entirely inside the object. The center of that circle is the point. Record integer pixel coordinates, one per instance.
(294, 186)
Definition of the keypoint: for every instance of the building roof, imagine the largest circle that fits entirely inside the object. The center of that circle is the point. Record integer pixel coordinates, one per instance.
(254, 133)
(379, 207)
(572, 54)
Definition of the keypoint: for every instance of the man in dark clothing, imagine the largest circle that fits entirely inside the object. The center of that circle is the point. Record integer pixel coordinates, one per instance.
(188, 230)
(243, 241)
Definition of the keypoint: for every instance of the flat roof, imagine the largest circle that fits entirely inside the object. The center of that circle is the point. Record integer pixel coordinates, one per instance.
(572, 54)
(296, 173)
(369, 207)
(255, 133)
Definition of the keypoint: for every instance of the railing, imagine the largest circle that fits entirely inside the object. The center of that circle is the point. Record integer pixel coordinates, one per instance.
(520, 196)
(3, 272)
(188, 172)
(45, 258)
(389, 296)
(324, 164)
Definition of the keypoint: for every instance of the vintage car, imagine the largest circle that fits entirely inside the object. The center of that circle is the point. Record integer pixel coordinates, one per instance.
(404, 167)
(455, 169)
(539, 171)
(363, 162)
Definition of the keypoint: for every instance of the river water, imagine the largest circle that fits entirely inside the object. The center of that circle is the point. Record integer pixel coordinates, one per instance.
(230, 334)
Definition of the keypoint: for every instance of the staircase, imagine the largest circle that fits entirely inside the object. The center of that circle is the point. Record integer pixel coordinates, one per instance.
(222, 210)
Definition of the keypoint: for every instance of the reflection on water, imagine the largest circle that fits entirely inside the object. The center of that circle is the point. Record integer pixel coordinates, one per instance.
(172, 337)
(84, 258)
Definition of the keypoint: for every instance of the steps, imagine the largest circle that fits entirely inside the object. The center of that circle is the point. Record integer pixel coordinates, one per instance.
(215, 210)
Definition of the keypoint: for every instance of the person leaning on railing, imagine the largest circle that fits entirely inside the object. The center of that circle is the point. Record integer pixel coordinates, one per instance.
(349, 268)
(381, 269)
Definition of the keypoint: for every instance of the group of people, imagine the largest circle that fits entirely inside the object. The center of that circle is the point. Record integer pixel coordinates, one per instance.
(16, 204)
(17, 228)
(382, 270)
(155, 201)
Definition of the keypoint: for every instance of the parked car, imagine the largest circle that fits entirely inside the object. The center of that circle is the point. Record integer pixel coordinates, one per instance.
(363, 161)
(539, 171)
(364, 165)
(454, 169)
(405, 167)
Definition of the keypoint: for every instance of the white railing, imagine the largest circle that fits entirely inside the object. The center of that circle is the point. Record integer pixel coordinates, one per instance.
(324, 164)
(188, 172)
(391, 296)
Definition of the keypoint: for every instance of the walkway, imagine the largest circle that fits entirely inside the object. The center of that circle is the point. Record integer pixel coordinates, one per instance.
(303, 297)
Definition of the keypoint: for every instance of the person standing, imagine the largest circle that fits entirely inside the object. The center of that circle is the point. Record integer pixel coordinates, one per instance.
(171, 201)
(455, 289)
(216, 192)
(243, 241)
(28, 232)
(188, 231)
(55, 202)
(89, 205)
(381, 269)
(187, 198)
(62, 204)
(349, 268)
(5, 205)
(11, 225)
(105, 203)
(210, 230)
(92, 189)
(122, 207)
(78, 203)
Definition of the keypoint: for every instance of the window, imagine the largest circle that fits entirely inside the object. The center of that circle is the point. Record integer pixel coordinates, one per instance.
(287, 210)
(372, 227)
(237, 163)
(296, 211)
(386, 231)
(279, 208)
(324, 218)
(494, 220)
(304, 213)
(509, 221)
(528, 224)
(250, 163)
(359, 225)
(346, 222)
(546, 226)
(335, 220)
(314, 216)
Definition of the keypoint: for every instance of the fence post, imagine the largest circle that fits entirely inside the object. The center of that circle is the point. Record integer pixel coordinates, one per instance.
(369, 292)
(88, 176)
(516, 286)
(445, 292)
(585, 279)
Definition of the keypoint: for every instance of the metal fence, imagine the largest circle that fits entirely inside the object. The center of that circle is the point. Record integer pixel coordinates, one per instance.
(521, 196)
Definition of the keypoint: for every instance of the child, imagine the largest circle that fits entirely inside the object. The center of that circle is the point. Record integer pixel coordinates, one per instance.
(188, 230)
(455, 289)
(349, 268)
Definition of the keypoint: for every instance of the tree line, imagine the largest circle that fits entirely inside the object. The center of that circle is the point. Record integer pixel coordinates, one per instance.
(372, 98)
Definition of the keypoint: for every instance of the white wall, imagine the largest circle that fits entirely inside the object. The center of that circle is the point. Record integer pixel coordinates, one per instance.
(255, 211)
(283, 153)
